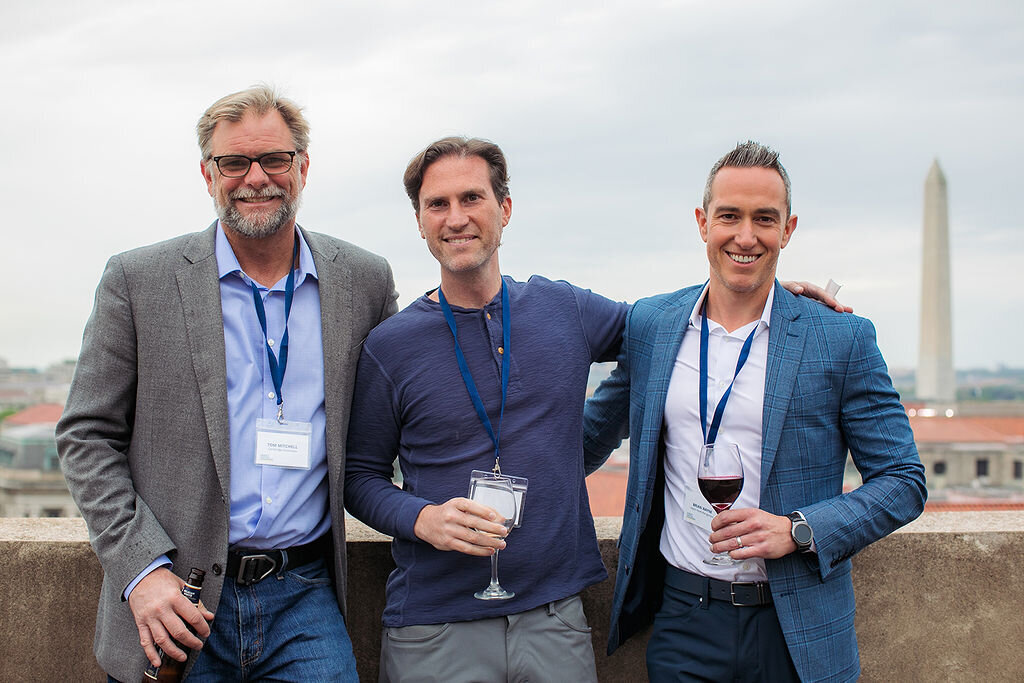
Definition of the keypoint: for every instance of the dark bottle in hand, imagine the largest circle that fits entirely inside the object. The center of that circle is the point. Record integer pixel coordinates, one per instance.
(170, 669)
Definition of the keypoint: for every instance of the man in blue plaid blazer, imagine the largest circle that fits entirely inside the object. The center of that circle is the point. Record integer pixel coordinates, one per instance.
(811, 386)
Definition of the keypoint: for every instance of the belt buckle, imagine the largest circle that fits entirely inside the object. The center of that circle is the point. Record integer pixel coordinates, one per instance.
(247, 568)
(732, 593)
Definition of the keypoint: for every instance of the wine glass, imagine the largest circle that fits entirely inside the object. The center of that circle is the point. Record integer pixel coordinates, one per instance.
(495, 492)
(720, 479)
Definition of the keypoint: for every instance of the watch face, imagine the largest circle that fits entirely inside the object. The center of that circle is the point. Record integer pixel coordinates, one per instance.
(802, 534)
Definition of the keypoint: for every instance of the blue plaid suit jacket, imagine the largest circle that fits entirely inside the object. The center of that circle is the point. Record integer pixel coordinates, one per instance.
(827, 390)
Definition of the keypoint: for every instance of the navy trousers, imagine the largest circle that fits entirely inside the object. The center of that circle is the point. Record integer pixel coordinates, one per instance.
(700, 639)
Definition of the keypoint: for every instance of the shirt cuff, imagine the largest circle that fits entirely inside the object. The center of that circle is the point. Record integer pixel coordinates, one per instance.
(162, 561)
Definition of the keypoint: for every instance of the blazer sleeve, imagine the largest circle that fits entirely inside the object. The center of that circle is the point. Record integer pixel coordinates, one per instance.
(389, 305)
(877, 432)
(95, 432)
(606, 413)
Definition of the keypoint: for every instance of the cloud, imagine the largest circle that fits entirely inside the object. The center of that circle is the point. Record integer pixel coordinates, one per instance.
(610, 113)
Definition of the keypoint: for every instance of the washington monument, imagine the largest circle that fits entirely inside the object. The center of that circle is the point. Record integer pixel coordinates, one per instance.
(936, 382)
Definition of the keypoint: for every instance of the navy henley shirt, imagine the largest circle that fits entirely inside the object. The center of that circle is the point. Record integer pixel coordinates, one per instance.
(411, 402)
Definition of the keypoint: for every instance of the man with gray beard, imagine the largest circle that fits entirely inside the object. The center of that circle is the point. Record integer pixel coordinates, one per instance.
(206, 423)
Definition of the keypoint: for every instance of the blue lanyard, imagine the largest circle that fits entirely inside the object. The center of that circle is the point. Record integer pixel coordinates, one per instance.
(467, 377)
(711, 433)
(278, 364)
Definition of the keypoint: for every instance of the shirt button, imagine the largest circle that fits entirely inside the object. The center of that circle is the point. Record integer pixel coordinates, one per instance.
(500, 350)
(270, 395)
(488, 316)
(269, 501)
(270, 342)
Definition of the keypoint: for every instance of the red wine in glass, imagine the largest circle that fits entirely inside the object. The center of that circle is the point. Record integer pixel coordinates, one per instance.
(721, 492)
(720, 480)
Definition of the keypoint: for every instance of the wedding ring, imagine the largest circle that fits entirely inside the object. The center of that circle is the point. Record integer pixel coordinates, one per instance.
(739, 543)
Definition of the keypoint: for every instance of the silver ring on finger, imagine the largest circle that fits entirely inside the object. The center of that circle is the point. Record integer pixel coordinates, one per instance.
(739, 543)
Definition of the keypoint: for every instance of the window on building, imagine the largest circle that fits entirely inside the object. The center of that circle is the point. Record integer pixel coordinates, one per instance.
(981, 467)
(1018, 469)
(51, 462)
(939, 467)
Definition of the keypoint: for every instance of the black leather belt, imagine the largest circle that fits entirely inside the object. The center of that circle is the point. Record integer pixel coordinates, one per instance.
(248, 566)
(739, 593)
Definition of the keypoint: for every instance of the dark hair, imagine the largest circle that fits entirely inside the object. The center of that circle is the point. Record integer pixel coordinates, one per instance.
(461, 147)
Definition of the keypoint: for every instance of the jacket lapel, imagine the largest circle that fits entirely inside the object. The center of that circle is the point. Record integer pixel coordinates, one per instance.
(668, 339)
(336, 306)
(199, 288)
(785, 349)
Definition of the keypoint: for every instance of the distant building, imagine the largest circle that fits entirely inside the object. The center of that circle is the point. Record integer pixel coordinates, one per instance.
(970, 452)
(24, 387)
(31, 481)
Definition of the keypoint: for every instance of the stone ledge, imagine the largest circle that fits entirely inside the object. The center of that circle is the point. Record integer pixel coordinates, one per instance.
(940, 599)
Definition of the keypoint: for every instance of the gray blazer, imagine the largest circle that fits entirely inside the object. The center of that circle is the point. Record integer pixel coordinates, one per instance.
(144, 439)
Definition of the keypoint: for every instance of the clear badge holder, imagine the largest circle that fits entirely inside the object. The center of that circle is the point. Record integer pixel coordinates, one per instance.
(519, 486)
(283, 444)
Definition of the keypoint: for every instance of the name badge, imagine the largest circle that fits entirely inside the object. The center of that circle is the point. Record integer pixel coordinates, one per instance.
(697, 510)
(283, 444)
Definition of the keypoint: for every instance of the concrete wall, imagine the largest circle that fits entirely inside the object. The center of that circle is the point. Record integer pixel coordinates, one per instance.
(941, 600)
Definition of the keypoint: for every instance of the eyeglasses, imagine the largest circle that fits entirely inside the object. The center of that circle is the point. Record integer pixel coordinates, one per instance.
(238, 165)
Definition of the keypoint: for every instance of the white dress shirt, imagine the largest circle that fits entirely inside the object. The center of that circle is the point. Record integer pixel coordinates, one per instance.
(683, 544)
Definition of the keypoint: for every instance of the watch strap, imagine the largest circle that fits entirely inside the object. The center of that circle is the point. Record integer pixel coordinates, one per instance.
(797, 518)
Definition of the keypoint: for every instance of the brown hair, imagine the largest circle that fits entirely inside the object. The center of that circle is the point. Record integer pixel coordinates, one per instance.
(461, 147)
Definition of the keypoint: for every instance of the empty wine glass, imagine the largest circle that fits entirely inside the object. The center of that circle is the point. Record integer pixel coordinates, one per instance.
(720, 479)
(494, 491)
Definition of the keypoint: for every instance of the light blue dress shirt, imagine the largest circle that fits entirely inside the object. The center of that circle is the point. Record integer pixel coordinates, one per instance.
(271, 507)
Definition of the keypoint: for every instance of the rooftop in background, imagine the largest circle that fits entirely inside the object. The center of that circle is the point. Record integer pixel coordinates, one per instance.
(39, 413)
(970, 429)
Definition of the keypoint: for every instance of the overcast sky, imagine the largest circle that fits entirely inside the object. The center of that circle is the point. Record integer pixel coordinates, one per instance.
(610, 114)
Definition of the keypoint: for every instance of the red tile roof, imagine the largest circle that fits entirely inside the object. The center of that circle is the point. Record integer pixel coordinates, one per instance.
(41, 412)
(968, 429)
(945, 506)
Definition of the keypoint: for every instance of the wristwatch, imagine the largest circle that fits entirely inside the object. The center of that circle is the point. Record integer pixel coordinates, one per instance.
(801, 532)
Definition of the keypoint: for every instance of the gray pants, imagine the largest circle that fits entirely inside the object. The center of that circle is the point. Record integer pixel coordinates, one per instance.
(548, 643)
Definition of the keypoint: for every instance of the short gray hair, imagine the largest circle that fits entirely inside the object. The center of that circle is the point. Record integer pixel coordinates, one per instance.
(751, 154)
(258, 99)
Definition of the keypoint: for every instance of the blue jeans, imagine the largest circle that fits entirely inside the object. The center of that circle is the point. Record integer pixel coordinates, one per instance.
(287, 627)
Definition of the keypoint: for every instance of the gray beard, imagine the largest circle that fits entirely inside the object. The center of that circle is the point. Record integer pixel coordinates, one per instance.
(260, 225)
